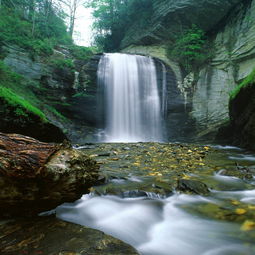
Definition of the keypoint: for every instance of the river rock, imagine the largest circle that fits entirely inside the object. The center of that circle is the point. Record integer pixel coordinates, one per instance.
(36, 176)
(49, 236)
(192, 186)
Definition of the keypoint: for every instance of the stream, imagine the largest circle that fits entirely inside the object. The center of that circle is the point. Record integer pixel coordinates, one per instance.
(141, 205)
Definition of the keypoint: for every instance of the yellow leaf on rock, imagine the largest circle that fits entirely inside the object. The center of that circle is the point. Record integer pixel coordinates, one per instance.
(206, 148)
(248, 225)
(240, 211)
(251, 207)
(235, 202)
(186, 177)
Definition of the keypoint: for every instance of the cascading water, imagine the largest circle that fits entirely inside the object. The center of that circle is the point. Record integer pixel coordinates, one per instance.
(133, 109)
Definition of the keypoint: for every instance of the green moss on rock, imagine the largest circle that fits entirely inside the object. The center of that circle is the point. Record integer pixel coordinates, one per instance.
(248, 81)
(21, 105)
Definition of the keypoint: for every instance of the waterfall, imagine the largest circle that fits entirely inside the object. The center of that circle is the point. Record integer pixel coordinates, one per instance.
(132, 105)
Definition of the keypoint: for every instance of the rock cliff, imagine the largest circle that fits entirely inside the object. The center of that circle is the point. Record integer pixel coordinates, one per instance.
(169, 16)
(230, 27)
(65, 89)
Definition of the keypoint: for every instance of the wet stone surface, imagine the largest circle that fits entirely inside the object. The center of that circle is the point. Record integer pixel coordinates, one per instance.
(49, 236)
(153, 172)
(157, 168)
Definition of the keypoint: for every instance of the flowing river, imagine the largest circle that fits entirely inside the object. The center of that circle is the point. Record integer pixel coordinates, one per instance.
(136, 207)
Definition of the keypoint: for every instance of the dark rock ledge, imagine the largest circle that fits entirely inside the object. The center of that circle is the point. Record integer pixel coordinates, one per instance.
(50, 236)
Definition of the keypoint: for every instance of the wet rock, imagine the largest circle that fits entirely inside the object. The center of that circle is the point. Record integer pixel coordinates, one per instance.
(242, 114)
(104, 154)
(50, 236)
(36, 176)
(192, 186)
(242, 173)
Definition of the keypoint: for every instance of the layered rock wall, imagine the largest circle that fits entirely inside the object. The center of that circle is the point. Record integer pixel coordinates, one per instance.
(169, 16)
(230, 26)
(234, 59)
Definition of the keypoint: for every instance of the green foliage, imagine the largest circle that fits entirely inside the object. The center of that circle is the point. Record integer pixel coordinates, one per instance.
(82, 53)
(63, 63)
(248, 81)
(189, 48)
(114, 18)
(32, 27)
(22, 106)
(56, 113)
(10, 82)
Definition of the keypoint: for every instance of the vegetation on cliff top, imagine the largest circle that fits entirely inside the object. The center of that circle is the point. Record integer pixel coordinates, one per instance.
(114, 18)
(34, 25)
(248, 81)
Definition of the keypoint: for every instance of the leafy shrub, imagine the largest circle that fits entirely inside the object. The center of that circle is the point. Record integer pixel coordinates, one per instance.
(63, 63)
(189, 48)
(248, 81)
(82, 53)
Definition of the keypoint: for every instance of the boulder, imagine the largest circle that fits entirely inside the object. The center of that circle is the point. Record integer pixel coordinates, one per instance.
(192, 186)
(37, 176)
(47, 235)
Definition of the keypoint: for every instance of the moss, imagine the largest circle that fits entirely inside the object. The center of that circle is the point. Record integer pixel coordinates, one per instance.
(248, 81)
(56, 113)
(22, 106)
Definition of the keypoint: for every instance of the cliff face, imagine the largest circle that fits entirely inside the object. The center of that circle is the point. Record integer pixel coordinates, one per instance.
(231, 29)
(63, 87)
(169, 15)
(234, 59)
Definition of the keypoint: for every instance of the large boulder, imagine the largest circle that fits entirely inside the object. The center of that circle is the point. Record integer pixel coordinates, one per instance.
(36, 176)
(47, 235)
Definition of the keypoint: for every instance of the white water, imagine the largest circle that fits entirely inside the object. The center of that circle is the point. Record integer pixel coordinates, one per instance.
(157, 227)
(133, 110)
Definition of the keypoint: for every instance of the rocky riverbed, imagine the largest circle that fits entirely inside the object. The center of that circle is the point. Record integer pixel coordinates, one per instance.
(217, 187)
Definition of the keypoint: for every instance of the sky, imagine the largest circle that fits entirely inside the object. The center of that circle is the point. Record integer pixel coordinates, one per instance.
(83, 27)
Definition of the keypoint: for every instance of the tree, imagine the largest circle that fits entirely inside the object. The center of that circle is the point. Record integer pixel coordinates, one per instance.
(72, 6)
(114, 17)
(189, 48)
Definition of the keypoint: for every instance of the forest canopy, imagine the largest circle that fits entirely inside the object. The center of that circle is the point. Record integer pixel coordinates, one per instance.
(37, 25)
(114, 17)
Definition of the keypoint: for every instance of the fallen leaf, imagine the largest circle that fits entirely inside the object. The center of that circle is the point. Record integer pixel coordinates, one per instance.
(248, 225)
(240, 211)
